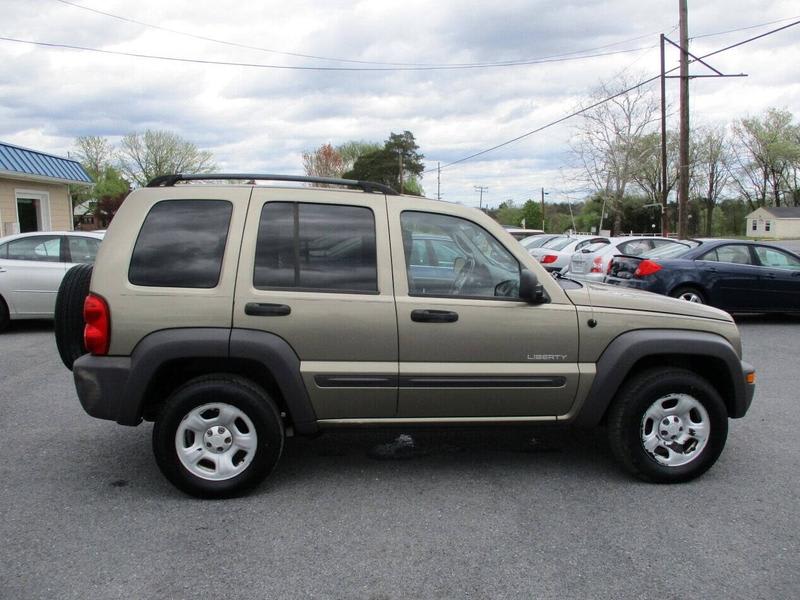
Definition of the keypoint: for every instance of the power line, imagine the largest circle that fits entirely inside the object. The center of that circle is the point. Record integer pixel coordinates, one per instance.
(607, 99)
(716, 33)
(311, 68)
(345, 60)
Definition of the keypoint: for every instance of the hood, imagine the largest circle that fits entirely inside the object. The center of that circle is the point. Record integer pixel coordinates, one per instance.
(612, 296)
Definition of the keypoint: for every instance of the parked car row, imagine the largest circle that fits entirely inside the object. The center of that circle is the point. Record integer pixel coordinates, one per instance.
(32, 266)
(735, 275)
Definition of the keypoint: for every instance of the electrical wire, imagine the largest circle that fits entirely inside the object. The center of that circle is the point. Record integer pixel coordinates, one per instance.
(313, 68)
(345, 60)
(607, 99)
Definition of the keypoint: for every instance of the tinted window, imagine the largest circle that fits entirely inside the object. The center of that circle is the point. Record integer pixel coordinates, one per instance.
(181, 244)
(39, 248)
(324, 247)
(472, 262)
(737, 254)
(83, 249)
(771, 257)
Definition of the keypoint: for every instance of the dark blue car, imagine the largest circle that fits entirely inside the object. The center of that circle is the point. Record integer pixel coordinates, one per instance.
(737, 276)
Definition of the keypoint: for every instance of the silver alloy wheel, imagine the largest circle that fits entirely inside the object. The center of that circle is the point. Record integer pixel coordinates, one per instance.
(675, 429)
(690, 296)
(216, 441)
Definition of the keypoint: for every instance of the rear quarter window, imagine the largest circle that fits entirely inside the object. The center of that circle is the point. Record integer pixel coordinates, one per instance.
(181, 244)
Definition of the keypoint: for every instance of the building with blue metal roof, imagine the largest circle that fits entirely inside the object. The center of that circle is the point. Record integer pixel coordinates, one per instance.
(34, 190)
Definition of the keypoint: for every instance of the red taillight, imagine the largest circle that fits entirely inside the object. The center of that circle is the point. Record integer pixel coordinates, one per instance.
(597, 265)
(96, 333)
(548, 258)
(646, 267)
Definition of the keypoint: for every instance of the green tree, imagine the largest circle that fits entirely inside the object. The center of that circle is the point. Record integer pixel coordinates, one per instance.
(353, 150)
(144, 156)
(508, 214)
(532, 213)
(395, 164)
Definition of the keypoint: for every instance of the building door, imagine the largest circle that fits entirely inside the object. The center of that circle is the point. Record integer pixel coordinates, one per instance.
(33, 211)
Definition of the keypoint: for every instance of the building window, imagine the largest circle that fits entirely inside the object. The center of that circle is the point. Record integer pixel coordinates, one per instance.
(767, 225)
(754, 226)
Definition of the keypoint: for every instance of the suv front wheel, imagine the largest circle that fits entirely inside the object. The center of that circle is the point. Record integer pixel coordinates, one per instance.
(667, 426)
(218, 436)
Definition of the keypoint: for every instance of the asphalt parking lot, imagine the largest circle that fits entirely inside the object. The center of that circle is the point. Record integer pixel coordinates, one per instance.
(466, 514)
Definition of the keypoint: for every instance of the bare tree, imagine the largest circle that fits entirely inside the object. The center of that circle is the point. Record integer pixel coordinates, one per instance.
(606, 141)
(325, 161)
(766, 148)
(144, 156)
(711, 168)
(95, 153)
(646, 168)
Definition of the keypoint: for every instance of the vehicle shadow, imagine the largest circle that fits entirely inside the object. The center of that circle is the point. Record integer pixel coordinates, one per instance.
(352, 457)
(767, 318)
(29, 325)
(545, 451)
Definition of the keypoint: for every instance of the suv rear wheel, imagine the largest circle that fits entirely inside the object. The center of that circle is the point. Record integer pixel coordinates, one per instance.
(667, 426)
(218, 436)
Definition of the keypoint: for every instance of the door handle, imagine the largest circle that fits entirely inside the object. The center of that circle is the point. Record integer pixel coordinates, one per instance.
(711, 269)
(433, 316)
(769, 275)
(257, 309)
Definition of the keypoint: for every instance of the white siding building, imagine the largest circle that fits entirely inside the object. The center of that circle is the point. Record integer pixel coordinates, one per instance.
(774, 222)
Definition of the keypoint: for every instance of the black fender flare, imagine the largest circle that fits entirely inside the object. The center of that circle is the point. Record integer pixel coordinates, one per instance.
(620, 356)
(270, 351)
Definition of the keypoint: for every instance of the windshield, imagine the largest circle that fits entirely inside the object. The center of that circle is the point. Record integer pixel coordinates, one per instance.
(670, 250)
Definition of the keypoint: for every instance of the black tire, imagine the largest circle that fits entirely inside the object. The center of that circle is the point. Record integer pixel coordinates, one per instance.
(69, 321)
(626, 424)
(5, 317)
(221, 389)
(689, 290)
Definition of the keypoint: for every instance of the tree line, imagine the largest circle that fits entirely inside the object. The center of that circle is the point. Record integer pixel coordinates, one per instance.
(138, 158)
(734, 167)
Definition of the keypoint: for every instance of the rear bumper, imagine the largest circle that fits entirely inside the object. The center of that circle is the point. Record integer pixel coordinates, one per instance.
(101, 383)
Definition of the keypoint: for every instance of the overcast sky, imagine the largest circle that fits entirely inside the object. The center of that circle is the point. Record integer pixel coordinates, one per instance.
(258, 119)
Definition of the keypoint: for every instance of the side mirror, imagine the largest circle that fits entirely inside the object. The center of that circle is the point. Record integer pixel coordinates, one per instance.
(530, 289)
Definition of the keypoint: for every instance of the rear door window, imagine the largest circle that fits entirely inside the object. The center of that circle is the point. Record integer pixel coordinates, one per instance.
(317, 247)
(36, 248)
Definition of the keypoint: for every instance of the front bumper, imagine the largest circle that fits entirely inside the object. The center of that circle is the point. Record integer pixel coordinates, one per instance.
(748, 372)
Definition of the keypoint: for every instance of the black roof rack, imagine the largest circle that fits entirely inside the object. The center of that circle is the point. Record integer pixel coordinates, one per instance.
(367, 186)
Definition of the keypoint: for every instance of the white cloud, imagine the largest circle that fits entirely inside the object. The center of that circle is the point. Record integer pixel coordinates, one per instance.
(262, 119)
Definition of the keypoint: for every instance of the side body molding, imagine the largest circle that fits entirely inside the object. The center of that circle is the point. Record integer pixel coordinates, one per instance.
(626, 350)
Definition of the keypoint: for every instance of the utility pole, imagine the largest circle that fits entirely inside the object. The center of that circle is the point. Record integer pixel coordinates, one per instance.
(683, 154)
(400, 172)
(481, 189)
(664, 219)
(543, 195)
(438, 181)
(683, 134)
